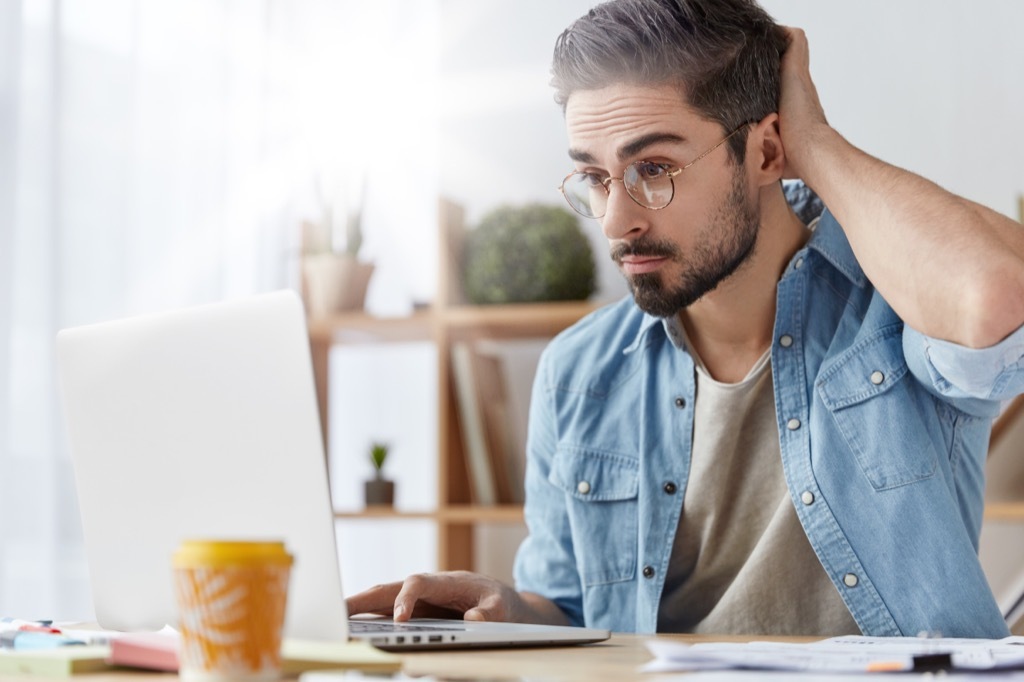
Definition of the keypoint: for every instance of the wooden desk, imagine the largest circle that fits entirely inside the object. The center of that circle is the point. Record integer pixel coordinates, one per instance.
(615, 660)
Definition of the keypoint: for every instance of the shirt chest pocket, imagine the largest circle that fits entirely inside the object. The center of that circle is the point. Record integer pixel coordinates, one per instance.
(601, 497)
(881, 416)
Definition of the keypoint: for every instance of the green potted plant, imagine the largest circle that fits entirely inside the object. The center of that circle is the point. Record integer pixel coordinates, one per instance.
(528, 253)
(379, 490)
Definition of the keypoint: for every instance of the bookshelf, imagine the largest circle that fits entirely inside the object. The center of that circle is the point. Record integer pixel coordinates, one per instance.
(449, 321)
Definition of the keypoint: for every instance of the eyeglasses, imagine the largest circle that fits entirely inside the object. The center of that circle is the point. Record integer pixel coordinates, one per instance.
(647, 183)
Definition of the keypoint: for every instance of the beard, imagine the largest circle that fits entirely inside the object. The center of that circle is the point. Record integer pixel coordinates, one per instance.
(728, 241)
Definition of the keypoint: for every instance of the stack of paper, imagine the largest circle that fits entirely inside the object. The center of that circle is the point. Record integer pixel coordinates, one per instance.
(842, 655)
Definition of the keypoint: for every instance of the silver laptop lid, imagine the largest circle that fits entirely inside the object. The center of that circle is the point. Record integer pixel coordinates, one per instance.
(199, 423)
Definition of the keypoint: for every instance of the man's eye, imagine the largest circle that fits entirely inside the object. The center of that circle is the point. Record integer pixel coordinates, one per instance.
(648, 170)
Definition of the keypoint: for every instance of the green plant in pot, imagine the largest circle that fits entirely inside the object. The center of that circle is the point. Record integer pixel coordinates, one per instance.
(529, 253)
(379, 490)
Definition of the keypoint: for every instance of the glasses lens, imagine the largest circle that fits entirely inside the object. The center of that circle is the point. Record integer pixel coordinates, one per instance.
(649, 184)
(585, 194)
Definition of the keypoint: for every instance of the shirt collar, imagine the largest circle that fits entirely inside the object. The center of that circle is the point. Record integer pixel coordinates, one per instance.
(828, 239)
(646, 323)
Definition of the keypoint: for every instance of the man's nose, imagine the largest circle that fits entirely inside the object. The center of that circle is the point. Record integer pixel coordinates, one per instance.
(623, 217)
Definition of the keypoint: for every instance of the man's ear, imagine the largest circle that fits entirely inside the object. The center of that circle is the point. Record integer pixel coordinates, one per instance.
(764, 145)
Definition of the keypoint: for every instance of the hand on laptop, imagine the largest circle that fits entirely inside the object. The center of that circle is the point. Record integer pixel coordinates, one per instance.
(455, 594)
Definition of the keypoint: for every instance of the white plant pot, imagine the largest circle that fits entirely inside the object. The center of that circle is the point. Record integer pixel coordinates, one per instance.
(334, 282)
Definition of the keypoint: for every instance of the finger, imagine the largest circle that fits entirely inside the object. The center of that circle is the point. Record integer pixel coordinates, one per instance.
(377, 599)
(414, 588)
(797, 50)
(795, 37)
(490, 608)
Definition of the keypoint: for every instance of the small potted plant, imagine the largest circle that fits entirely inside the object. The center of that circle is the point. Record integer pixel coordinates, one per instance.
(334, 280)
(379, 490)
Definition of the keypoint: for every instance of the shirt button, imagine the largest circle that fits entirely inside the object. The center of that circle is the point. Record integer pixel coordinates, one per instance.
(799, 263)
(793, 424)
(680, 402)
(877, 377)
(785, 340)
(648, 571)
(583, 487)
(807, 497)
(670, 488)
(850, 580)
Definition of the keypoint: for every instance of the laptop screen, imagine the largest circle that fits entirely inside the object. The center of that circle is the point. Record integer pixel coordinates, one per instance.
(199, 424)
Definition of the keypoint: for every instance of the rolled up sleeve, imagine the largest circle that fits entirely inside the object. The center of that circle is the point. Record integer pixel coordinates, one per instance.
(956, 372)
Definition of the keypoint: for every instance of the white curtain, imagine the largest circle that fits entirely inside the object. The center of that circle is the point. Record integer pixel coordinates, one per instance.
(160, 153)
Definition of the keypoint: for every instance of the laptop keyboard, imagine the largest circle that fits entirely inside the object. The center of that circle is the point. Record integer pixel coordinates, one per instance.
(366, 626)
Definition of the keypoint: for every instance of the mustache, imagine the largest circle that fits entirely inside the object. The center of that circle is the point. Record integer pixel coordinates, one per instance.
(643, 247)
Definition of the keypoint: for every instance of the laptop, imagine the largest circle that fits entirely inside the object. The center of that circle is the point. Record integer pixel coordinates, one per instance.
(202, 423)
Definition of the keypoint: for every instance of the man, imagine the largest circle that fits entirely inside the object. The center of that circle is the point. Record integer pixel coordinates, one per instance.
(784, 430)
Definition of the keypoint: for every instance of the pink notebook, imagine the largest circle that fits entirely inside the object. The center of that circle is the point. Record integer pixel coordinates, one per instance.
(148, 650)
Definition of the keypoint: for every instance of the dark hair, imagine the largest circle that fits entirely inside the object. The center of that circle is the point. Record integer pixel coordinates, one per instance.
(723, 55)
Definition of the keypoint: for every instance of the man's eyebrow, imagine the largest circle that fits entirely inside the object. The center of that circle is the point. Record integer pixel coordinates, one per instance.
(638, 145)
(629, 150)
(580, 155)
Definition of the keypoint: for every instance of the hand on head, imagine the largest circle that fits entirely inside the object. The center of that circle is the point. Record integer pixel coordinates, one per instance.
(801, 116)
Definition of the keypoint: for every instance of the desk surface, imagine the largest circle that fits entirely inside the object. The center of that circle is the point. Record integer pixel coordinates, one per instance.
(614, 660)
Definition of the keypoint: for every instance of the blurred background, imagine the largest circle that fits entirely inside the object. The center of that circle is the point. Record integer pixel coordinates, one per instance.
(157, 154)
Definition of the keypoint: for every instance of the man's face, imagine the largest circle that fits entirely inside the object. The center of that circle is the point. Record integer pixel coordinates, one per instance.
(673, 256)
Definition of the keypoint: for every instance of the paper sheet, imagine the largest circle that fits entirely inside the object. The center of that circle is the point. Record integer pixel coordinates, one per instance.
(841, 655)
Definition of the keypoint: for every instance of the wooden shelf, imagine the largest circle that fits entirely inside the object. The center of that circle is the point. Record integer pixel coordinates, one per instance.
(472, 514)
(456, 514)
(515, 320)
(385, 513)
(505, 321)
(359, 327)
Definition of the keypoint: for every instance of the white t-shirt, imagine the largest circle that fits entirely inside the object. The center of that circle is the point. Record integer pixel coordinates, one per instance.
(741, 562)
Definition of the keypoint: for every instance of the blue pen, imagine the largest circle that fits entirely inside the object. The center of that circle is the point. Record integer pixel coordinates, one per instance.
(24, 640)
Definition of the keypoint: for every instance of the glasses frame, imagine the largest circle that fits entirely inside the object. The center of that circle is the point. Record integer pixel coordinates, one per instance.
(606, 183)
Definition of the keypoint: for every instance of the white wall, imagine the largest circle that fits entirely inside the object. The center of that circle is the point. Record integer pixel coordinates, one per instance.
(935, 86)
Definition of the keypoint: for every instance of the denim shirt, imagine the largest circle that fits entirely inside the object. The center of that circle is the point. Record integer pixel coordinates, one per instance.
(883, 433)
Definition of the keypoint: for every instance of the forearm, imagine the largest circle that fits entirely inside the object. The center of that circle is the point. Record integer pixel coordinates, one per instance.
(950, 268)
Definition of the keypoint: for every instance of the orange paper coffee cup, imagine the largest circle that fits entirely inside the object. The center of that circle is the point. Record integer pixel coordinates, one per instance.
(231, 603)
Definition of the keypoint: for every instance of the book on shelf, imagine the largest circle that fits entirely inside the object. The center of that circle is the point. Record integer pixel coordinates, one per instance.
(489, 382)
(483, 489)
(494, 380)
